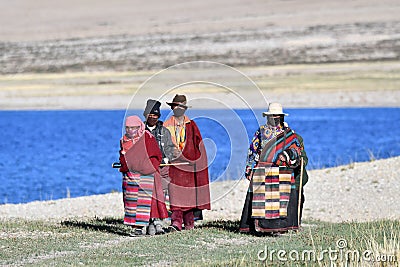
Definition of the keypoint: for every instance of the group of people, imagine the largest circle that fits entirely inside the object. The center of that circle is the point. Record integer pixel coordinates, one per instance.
(163, 163)
(165, 173)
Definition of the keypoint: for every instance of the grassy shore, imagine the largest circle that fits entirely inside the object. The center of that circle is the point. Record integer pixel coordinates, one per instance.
(309, 85)
(106, 242)
(65, 233)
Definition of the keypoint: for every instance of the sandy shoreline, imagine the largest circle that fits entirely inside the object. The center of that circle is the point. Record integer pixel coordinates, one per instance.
(363, 191)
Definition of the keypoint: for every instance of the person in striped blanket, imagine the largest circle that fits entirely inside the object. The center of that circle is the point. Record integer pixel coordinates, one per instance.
(140, 158)
(275, 166)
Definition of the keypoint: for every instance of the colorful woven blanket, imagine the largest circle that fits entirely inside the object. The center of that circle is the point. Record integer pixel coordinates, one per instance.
(275, 146)
(271, 191)
(137, 194)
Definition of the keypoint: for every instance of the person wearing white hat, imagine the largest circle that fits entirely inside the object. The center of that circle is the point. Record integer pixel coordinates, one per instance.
(274, 109)
(275, 157)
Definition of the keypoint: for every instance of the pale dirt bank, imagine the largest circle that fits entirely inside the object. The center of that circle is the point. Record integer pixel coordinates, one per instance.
(48, 20)
(136, 35)
(357, 192)
(114, 36)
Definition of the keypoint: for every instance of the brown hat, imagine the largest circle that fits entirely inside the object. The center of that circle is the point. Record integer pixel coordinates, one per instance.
(179, 100)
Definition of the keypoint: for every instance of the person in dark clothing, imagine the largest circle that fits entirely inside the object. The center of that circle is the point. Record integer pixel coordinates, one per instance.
(162, 135)
(275, 158)
(155, 126)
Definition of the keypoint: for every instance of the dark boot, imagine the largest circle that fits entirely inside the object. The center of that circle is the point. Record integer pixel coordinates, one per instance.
(177, 219)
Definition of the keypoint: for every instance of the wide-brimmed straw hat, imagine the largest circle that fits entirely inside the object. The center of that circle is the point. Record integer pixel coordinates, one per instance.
(179, 100)
(274, 109)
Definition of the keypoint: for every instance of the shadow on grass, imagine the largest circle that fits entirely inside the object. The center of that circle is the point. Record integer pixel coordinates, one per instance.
(116, 226)
(109, 225)
(233, 226)
(226, 225)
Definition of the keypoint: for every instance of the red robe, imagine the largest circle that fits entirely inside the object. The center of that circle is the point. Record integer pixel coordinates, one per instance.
(189, 186)
(144, 156)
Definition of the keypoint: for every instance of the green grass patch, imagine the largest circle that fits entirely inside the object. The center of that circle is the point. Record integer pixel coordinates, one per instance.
(106, 242)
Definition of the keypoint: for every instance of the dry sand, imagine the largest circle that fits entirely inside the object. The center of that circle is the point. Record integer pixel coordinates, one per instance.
(132, 35)
(24, 20)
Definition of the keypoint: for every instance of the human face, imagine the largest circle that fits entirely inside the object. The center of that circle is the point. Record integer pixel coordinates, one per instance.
(152, 119)
(179, 111)
(132, 131)
(275, 120)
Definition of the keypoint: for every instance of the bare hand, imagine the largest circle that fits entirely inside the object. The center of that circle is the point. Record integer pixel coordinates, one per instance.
(248, 173)
(176, 153)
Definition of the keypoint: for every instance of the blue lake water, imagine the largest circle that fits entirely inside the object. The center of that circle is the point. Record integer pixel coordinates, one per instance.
(49, 155)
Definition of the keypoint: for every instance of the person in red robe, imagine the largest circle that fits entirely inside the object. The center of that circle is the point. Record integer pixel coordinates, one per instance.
(140, 158)
(189, 186)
